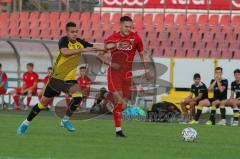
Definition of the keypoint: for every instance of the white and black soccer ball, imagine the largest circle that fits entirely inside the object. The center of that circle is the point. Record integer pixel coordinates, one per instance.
(189, 134)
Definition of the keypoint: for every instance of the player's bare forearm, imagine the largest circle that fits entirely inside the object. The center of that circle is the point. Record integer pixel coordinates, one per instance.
(69, 52)
(198, 97)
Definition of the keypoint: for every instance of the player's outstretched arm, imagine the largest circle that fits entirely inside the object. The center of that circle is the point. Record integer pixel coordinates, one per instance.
(69, 52)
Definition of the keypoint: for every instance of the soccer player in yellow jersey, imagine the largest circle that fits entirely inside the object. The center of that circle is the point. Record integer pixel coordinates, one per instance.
(63, 77)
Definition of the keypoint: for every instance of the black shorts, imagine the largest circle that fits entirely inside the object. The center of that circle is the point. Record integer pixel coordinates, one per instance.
(55, 86)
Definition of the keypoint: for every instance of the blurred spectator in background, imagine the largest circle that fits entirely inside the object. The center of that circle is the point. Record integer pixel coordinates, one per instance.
(3, 81)
(84, 83)
(3, 84)
(103, 102)
(29, 87)
(45, 81)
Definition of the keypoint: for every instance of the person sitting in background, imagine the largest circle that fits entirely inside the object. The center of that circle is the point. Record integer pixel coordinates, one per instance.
(234, 100)
(103, 102)
(84, 83)
(45, 81)
(3, 83)
(198, 92)
(29, 87)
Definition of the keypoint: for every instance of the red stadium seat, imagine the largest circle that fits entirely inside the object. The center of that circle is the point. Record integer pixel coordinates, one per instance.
(14, 33)
(106, 18)
(14, 16)
(64, 16)
(181, 19)
(54, 16)
(34, 24)
(4, 33)
(24, 16)
(192, 19)
(55, 34)
(148, 19)
(74, 17)
(199, 45)
(24, 24)
(236, 20)
(230, 38)
(54, 24)
(203, 53)
(159, 19)
(192, 53)
(4, 16)
(138, 18)
(24, 33)
(203, 20)
(34, 16)
(225, 53)
(44, 16)
(214, 53)
(213, 20)
(44, 25)
(169, 52)
(169, 19)
(222, 45)
(35, 33)
(85, 16)
(225, 20)
(116, 18)
(236, 53)
(95, 17)
(45, 34)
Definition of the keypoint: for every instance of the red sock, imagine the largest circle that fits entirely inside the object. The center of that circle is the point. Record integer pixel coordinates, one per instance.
(117, 114)
(39, 97)
(28, 100)
(16, 100)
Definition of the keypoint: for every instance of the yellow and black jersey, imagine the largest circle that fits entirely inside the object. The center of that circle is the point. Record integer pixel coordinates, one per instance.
(65, 68)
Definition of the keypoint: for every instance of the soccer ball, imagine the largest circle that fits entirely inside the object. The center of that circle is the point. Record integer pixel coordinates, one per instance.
(189, 134)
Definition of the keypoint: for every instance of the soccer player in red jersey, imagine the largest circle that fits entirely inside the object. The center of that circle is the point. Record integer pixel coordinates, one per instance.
(84, 83)
(3, 81)
(45, 81)
(123, 46)
(29, 87)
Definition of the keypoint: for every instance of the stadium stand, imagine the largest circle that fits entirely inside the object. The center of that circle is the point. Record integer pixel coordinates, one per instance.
(167, 35)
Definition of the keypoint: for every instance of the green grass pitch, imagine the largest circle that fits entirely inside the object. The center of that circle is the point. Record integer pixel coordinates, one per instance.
(95, 139)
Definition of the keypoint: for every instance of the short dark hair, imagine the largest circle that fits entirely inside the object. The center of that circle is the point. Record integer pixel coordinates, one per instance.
(125, 19)
(0, 65)
(83, 67)
(30, 64)
(196, 76)
(236, 71)
(70, 24)
(49, 68)
(219, 68)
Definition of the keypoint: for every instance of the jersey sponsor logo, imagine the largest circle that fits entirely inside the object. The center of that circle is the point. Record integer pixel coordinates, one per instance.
(126, 2)
(124, 45)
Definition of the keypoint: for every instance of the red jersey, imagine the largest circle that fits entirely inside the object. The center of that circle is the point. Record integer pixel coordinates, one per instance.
(45, 80)
(30, 78)
(126, 49)
(84, 82)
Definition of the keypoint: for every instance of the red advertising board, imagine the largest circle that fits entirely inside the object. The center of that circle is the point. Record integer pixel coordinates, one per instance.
(174, 4)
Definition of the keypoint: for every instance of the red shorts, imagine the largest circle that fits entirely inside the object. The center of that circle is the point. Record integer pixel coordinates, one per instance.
(18, 91)
(120, 81)
(3, 91)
